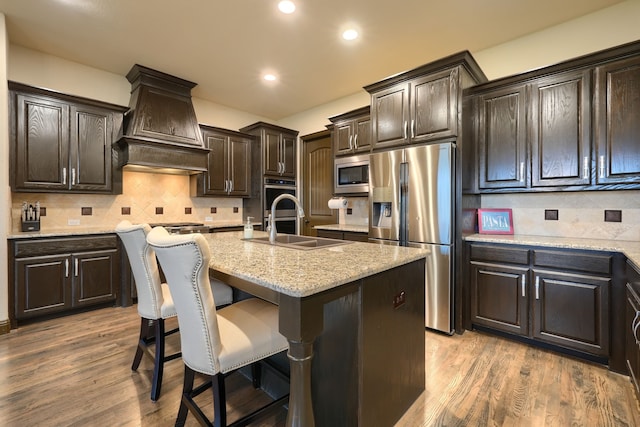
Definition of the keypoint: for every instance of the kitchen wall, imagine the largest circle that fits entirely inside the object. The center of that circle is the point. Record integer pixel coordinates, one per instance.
(142, 195)
(580, 214)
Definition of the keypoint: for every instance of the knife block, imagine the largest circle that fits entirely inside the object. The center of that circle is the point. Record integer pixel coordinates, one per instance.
(30, 225)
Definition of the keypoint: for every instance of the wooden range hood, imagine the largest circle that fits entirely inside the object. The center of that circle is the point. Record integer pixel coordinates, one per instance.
(161, 129)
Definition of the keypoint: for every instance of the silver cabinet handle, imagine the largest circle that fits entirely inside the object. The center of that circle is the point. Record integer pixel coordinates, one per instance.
(601, 166)
(73, 176)
(76, 267)
(634, 326)
(523, 284)
(355, 142)
(413, 128)
(585, 167)
(64, 175)
(226, 185)
(521, 171)
(537, 287)
(230, 185)
(405, 129)
(66, 268)
(350, 142)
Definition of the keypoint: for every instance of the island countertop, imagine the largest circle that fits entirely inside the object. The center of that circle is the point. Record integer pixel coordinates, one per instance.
(301, 273)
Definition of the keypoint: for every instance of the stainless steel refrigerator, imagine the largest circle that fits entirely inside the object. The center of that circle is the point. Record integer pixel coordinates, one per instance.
(411, 202)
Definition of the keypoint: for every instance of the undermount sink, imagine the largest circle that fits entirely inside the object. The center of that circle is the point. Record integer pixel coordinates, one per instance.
(304, 243)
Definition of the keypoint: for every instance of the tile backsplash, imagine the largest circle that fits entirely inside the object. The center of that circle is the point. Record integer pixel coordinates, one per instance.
(580, 214)
(144, 195)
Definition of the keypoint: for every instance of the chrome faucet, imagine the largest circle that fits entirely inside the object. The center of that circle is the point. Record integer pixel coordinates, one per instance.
(271, 228)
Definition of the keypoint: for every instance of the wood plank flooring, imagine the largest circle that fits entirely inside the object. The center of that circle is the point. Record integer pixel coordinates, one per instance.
(76, 371)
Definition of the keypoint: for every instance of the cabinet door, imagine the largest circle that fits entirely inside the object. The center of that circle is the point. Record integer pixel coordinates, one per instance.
(560, 136)
(632, 350)
(572, 311)
(434, 106)
(499, 297)
(390, 116)
(42, 285)
(94, 277)
(343, 138)
(362, 137)
(617, 128)
(90, 148)
(216, 175)
(239, 166)
(271, 147)
(42, 143)
(288, 155)
(502, 139)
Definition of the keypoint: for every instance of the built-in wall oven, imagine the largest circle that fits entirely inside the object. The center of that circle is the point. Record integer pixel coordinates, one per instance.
(286, 211)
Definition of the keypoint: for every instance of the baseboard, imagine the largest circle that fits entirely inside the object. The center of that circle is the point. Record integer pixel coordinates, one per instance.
(5, 327)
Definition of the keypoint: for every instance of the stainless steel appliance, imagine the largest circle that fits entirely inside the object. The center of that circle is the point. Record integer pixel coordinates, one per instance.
(286, 211)
(351, 175)
(411, 201)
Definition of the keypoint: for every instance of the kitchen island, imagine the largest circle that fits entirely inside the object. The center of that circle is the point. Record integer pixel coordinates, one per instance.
(354, 318)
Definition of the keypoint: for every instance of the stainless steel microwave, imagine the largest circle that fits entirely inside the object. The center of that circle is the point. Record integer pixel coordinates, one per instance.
(351, 175)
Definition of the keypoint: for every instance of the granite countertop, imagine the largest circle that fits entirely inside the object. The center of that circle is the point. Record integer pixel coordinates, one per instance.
(630, 249)
(82, 231)
(301, 273)
(354, 228)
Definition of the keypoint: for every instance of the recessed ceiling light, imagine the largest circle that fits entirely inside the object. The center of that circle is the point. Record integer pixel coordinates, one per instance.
(350, 34)
(286, 6)
(269, 77)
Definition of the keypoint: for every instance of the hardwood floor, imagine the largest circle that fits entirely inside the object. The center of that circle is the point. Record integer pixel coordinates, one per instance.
(76, 371)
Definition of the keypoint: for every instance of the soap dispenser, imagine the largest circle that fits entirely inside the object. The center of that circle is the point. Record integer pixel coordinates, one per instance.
(248, 228)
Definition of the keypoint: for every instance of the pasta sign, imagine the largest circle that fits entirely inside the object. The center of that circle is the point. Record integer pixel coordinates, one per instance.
(495, 221)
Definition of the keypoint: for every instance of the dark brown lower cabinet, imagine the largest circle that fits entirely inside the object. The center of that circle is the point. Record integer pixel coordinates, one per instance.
(344, 235)
(556, 297)
(632, 324)
(54, 275)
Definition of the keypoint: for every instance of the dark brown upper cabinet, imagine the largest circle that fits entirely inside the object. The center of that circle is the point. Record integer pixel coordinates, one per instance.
(534, 131)
(278, 148)
(560, 130)
(351, 132)
(617, 124)
(229, 164)
(61, 143)
(422, 109)
(502, 154)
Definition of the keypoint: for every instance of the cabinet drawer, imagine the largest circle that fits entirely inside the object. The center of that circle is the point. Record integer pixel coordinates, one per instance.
(37, 247)
(578, 261)
(506, 253)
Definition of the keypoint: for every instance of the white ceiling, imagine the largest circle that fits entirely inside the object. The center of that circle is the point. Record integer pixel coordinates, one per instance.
(226, 46)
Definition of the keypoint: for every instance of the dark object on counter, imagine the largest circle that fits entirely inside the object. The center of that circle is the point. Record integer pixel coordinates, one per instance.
(30, 225)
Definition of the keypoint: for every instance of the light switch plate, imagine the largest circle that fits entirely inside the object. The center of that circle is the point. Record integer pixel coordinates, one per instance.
(73, 222)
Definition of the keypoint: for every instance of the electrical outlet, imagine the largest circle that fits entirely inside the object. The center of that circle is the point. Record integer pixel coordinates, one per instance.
(73, 222)
(208, 218)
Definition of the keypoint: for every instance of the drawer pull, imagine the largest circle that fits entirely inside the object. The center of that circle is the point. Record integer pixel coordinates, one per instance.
(601, 166)
(64, 176)
(66, 268)
(521, 171)
(585, 168)
(634, 326)
(523, 284)
(76, 267)
(537, 287)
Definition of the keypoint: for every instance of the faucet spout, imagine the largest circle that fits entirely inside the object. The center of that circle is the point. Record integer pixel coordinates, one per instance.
(272, 217)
